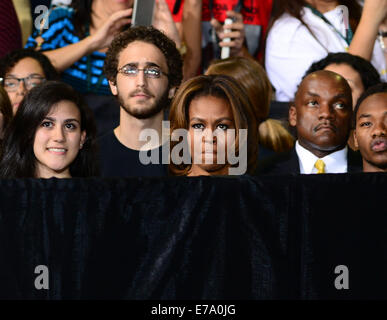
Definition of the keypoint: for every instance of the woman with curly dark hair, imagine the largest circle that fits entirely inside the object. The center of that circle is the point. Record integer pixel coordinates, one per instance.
(52, 135)
(305, 31)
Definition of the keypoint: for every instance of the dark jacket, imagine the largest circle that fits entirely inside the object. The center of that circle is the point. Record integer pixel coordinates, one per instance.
(286, 163)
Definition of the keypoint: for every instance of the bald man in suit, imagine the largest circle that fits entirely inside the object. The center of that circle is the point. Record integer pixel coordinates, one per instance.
(321, 114)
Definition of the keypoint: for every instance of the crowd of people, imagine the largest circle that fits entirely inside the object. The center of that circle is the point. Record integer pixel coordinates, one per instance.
(91, 95)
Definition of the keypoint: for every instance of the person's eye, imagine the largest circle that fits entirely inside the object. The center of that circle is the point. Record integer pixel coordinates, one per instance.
(34, 83)
(222, 126)
(198, 126)
(154, 72)
(9, 83)
(339, 105)
(70, 126)
(47, 124)
(130, 70)
(365, 124)
(312, 103)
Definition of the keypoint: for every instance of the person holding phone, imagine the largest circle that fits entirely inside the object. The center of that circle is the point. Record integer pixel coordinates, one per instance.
(76, 38)
(236, 24)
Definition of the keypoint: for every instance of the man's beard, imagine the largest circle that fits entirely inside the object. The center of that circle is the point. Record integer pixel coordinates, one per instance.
(146, 112)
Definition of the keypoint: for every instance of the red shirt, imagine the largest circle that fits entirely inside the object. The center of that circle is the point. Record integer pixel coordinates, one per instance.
(179, 16)
(255, 12)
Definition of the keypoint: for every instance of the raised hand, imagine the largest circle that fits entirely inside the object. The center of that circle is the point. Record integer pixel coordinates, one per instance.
(374, 12)
(376, 9)
(237, 32)
(163, 21)
(104, 35)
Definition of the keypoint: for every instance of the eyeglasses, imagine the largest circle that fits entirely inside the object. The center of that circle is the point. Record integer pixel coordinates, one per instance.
(11, 84)
(152, 72)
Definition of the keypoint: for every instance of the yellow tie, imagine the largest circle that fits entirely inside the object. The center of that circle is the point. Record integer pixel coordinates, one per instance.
(320, 166)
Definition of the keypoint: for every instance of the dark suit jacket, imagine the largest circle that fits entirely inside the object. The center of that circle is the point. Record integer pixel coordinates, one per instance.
(286, 163)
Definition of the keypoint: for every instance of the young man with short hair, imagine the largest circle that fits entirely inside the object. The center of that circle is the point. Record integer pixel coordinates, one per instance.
(144, 68)
(370, 122)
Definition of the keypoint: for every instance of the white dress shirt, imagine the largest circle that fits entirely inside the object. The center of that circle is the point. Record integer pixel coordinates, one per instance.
(335, 162)
(291, 49)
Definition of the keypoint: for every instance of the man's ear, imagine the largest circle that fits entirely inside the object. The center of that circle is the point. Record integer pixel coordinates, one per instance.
(113, 87)
(171, 92)
(355, 140)
(293, 116)
(83, 139)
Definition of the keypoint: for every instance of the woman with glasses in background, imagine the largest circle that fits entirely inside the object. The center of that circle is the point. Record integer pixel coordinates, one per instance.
(21, 70)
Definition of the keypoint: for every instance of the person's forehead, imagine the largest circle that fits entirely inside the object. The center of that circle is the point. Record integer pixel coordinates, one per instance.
(374, 104)
(209, 106)
(333, 82)
(142, 53)
(342, 69)
(26, 65)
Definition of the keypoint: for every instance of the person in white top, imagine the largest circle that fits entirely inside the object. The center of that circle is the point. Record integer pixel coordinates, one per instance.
(304, 34)
(321, 114)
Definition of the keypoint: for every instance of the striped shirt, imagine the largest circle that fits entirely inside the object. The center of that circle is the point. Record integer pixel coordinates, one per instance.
(61, 33)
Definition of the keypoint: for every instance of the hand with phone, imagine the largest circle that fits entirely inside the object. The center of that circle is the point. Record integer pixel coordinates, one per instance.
(225, 53)
(231, 33)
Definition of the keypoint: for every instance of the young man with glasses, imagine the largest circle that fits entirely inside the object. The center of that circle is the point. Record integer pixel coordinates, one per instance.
(143, 67)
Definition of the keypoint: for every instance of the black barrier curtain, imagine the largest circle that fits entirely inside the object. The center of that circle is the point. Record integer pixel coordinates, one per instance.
(269, 237)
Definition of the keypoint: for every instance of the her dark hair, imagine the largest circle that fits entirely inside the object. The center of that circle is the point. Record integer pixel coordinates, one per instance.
(18, 159)
(5, 109)
(82, 16)
(12, 58)
(368, 74)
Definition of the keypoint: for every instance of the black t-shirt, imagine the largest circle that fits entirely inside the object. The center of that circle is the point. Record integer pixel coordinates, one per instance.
(116, 160)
